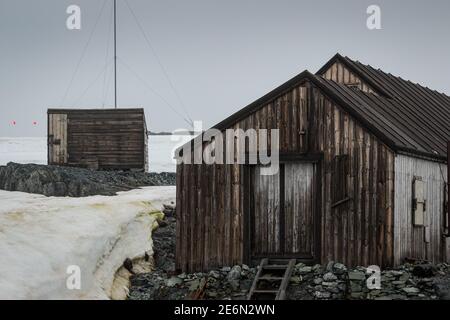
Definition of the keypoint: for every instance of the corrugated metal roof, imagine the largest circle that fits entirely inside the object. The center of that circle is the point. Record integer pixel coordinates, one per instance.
(418, 115)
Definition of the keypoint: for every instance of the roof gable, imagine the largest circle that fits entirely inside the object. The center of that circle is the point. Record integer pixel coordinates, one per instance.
(422, 114)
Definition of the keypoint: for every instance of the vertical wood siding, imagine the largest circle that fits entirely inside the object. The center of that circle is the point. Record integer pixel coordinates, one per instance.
(57, 139)
(409, 240)
(213, 200)
(299, 208)
(341, 74)
(266, 213)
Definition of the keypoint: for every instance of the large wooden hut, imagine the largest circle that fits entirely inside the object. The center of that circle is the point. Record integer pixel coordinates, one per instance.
(362, 177)
(106, 139)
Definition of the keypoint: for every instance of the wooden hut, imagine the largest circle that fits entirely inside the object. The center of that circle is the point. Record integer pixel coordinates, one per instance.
(362, 177)
(106, 139)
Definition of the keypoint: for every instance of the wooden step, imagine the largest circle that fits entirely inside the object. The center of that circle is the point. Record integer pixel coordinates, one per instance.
(265, 264)
(278, 261)
(270, 278)
(265, 291)
(275, 267)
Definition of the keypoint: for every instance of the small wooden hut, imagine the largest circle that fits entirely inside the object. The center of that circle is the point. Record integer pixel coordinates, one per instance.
(362, 177)
(105, 139)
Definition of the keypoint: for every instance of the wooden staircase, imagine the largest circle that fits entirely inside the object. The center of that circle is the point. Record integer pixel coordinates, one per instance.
(272, 279)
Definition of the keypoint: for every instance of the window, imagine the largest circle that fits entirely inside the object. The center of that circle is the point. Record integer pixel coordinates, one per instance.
(419, 202)
(339, 180)
(354, 86)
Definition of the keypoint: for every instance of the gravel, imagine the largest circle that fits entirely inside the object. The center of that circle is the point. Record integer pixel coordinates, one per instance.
(333, 281)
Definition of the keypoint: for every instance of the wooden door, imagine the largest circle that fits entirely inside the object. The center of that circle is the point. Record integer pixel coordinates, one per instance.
(283, 210)
(57, 139)
(266, 214)
(299, 209)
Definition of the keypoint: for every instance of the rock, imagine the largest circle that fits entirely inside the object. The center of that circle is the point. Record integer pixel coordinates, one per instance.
(245, 267)
(398, 297)
(173, 281)
(329, 277)
(246, 284)
(162, 223)
(317, 281)
(225, 269)
(411, 290)
(304, 270)
(235, 273)
(384, 298)
(329, 284)
(342, 286)
(296, 280)
(329, 266)
(128, 264)
(355, 287)
(214, 274)
(339, 268)
(75, 182)
(399, 284)
(442, 288)
(299, 265)
(356, 275)
(211, 294)
(234, 284)
(322, 295)
(318, 288)
(194, 284)
(404, 277)
(333, 289)
(357, 295)
(423, 271)
(317, 268)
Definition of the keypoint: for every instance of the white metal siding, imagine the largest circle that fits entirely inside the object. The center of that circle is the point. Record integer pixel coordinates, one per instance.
(409, 241)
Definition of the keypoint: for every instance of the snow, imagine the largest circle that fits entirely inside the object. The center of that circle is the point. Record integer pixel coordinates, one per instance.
(40, 237)
(34, 150)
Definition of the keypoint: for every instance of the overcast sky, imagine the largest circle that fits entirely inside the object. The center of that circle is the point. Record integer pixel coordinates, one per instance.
(218, 55)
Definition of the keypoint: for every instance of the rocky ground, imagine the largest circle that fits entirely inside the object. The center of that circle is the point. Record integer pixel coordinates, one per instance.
(75, 182)
(333, 281)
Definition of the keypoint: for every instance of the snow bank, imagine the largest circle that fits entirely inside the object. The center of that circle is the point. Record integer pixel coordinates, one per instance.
(34, 150)
(40, 237)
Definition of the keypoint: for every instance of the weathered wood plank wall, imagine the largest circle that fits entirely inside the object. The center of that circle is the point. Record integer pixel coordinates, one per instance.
(341, 74)
(116, 139)
(57, 139)
(211, 199)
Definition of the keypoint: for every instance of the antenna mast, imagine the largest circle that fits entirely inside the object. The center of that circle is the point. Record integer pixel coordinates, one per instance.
(115, 56)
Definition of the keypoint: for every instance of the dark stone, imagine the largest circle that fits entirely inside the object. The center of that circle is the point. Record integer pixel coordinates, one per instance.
(162, 224)
(424, 271)
(76, 182)
(128, 264)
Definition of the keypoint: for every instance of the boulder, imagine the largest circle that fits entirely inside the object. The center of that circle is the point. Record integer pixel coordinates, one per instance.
(235, 273)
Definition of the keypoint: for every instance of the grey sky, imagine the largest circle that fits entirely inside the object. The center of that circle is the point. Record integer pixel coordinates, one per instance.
(220, 55)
